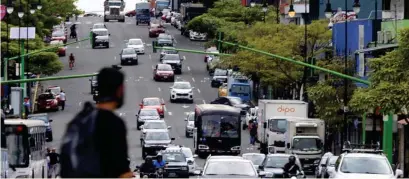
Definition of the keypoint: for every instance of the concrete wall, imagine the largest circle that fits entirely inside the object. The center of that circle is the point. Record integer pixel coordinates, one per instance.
(366, 7)
(338, 35)
(394, 26)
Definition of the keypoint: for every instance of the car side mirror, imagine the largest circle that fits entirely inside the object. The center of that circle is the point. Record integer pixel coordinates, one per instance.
(261, 173)
(288, 145)
(398, 173)
(185, 119)
(197, 172)
(50, 120)
(172, 138)
(195, 156)
(169, 127)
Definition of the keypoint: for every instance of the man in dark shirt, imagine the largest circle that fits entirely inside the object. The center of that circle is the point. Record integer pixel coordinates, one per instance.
(291, 168)
(147, 168)
(109, 135)
(54, 159)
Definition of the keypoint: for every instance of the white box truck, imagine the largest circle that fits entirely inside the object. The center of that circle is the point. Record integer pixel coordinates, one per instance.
(272, 114)
(114, 10)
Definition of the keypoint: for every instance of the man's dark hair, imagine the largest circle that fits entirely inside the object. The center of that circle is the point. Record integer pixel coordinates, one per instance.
(109, 80)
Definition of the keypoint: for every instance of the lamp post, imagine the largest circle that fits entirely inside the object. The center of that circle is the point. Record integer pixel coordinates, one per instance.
(265, 9)
(278, 11)
(10, 10)
(291, 11)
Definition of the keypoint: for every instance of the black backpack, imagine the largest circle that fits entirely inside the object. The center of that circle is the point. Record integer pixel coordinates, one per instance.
(79, 156)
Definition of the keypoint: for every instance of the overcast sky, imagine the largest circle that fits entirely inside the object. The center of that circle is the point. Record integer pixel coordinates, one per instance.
(98, 5)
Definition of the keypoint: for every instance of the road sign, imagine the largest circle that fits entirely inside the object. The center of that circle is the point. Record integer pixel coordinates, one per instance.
(3, 10)
(15, 34)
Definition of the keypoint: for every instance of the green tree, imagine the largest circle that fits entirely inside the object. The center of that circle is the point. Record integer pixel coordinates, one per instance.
(45, 63)
(389, 87)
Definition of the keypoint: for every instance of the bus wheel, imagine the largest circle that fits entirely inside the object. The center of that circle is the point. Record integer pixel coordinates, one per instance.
(42, 172)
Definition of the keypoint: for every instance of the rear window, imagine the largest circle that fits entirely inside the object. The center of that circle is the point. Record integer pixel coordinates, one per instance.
(46, 96)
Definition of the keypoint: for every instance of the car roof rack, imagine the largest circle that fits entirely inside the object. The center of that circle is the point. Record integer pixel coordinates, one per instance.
(362, 148)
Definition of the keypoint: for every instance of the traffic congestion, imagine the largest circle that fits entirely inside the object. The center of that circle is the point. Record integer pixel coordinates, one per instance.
(185, 116)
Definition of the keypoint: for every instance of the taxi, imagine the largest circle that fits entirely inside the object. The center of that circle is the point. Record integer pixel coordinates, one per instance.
(222, 90)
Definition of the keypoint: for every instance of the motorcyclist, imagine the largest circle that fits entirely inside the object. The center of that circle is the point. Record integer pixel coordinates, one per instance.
(291, 168)
(159, 162)
(147, 168)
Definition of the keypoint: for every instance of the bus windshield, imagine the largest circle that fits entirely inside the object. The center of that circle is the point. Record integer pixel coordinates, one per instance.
(17, 155)
(241, 89)
(142, 11)
(220, 126)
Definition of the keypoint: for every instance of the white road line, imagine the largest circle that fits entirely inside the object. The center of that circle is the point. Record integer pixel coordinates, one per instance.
(150, 57)
(153, 67)
(204, 102)
(193, 79)
(159, 89)
(77, 47)
(188, 68)
(170, 113)
(198, 90)
(164, 108)
(79, 104)
(114, 57)
(184, 57)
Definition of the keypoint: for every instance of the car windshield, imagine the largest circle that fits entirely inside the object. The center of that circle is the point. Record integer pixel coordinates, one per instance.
(187, 152)
(170, 51)
(42, 117)
(58, 34)
(243, 89)
(219, 72)
(236, 101)
(276, 161)
(149, 113)
(256, 159)
(128, 51)
(135, 42)
(101, 32)
(165, 37)
(173, 157)
(157, 136)
(365, 165)
(230, 168)
(155, 125)
(99, 26)
(332, 161)
(56, 90)
(171, 57)
(214, 125)
(165, 68)
(306, 144)
(151, 102)
(182, 86)
(46, 96)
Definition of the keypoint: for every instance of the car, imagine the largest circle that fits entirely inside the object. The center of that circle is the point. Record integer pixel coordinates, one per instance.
(59, 35)
(189, 156)
(181, 90)
(44, 117)
(165, 40)
(211, 50)
(163, 72)
(154, 103)
(273, 165)
(176, 164)
(167, 51)
(197, 36)
(328, 166)
(146, 114)
(154, 141)
(154, 125)
(321, 164)
(61, 50)
(136, 44)
(56, 90)
(228, 167)
(94, 84)
(47, 101)
(102, 38)
(174, 61)
(219, 77)
(155, 30)
(128, 56)
(359, 163)
(212, 63)
(222, 91)
(190, 124)
(232, 101)
(256, 158)
(99, 26)
(174, 18)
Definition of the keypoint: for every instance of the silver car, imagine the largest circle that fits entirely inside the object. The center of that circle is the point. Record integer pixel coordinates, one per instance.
(146, 115)
(256, 158)
(129, 56)
(190, 124)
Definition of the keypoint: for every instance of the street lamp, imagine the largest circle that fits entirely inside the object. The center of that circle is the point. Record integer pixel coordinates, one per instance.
(9, 10)
(357, 7)
(39, 6)
(20, 14)
(252, 4)
(328, 10)
(291, 11)
(265, 8)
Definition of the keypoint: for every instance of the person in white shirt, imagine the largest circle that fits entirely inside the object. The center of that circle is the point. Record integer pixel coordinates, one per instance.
(62, 100)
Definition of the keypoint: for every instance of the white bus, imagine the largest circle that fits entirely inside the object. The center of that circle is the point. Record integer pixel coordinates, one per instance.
(26, 145)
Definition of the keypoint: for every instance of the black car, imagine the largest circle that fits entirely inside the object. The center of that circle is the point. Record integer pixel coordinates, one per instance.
(176, 164)
(154, 141)
(219, 77)
(173, 60)
(94, 84)
(167, 51)
(234, 102)
(165, 40)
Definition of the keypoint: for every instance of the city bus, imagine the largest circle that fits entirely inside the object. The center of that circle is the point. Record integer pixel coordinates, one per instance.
(217, 130)
(26, 148)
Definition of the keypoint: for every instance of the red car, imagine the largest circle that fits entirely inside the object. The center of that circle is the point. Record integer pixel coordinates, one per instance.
(59, 35)
(154, 103)
(56, 90)
(47, 101)
(163, 72)
(61, 51)
(155, 30)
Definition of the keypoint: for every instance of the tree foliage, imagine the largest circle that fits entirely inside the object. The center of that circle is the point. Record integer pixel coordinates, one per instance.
(45, 63)
(389, 87)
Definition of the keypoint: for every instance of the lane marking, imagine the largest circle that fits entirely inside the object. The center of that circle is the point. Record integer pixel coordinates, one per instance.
(193, 79)
(170, 113)
(204, 102)
(159, 89)
(150, 57)
(164, 108)
(198, 90)
(153, 67)
(79, 104)
(188, 68)
(184, 57)
(114, 57)
(77, 47)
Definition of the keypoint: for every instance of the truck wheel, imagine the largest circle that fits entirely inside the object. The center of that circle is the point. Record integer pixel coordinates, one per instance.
(137, 22)
(105, 20)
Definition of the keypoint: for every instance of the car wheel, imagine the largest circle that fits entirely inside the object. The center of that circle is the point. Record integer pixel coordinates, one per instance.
(172, 79)
(107, 45)
(187, 134)
(137, 22)
(136, 63)
(162, 116)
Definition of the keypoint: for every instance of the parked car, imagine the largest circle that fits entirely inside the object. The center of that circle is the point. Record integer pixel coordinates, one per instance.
(197, 36)
(155, 30)
(47, 101)
(59, 35)
(61, 51)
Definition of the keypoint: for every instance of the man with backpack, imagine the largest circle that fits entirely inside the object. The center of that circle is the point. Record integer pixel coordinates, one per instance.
(95, 143)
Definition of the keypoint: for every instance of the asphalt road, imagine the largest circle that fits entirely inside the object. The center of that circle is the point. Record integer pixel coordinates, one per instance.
(139, 82)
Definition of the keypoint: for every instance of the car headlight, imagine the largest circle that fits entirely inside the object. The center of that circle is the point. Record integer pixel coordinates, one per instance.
(147, 145)
(173, 91)
(184, 168)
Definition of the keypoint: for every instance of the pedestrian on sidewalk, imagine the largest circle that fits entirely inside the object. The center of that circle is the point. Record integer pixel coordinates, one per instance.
(62, 99)
(54, 159)
(95, 142)
(26, 106)
(253, 133)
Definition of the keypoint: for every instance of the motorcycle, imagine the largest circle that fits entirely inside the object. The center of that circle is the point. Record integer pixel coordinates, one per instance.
(296, 176)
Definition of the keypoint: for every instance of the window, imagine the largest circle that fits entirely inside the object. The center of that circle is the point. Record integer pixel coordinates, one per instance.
(366, 165)
(142, 11)
(278, 162)
(256, 159)
(174, 157)
(307, 144)
(135, 42)
(230, 168)
(220, 126)
(151, 102)
(240, 89)
(101, 33)
(157, 136)
(46, 96)
(149, 113)
(163, 67)
(236, 101)
(17, 154)
(277, 125)
(57, 34)
(128, 51)
(155, 125)
(171, 57)
(182, 86)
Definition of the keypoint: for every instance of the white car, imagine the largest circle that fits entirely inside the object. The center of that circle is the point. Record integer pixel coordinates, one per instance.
(321, 164)
(154, 125)
(197, 36)
(99, 26)
(181, 90)
(222, 167)
(190, 124)
(190, 157)
(363, 165)
(136, 44)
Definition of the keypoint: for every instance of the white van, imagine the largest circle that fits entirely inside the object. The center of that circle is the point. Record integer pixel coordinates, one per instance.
(102, 38)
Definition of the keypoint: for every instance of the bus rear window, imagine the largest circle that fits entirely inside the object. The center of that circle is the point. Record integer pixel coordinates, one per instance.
(220, 126)
(240, 89)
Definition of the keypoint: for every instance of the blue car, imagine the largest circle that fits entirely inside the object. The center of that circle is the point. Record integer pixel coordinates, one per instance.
(44, 117)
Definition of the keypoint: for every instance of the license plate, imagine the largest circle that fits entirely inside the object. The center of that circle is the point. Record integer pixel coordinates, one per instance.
(129, 60)
(172, 174)
(47, 107)
(165, 77)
